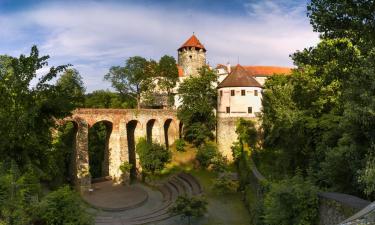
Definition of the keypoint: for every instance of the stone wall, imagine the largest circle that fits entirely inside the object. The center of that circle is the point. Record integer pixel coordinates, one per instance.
(191, 59)
(336, 207)
(161, 124)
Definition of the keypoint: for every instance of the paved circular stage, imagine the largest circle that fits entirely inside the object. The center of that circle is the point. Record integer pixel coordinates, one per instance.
(115, 197)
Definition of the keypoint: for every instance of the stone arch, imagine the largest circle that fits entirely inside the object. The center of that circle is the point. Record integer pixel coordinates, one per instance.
(153, 131)
(133, 132)
(170, 132)
(100, 162)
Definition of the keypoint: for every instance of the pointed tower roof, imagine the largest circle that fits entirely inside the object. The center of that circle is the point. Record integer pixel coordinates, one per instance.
(239, 77)
(193, 42)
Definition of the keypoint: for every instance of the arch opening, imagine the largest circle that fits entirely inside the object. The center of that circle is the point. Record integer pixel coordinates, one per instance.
(150, 125)
(169, 133)
(130, 131)
(98, 147)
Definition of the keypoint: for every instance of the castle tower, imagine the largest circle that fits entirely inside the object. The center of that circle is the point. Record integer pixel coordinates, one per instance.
(191, 56)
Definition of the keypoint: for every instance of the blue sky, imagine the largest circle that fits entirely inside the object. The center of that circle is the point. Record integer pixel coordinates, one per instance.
(94, 35)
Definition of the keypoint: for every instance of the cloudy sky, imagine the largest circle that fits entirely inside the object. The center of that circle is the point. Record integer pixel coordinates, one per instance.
(94, 35)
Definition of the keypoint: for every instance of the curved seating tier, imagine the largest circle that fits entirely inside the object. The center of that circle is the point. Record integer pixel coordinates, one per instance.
(176, 185)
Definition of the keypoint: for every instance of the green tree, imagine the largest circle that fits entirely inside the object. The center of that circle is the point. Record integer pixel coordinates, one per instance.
(62, 207)
(28, 112)
(168, 76)
(189, 207)
(199, 99)
(70, 84)
(107, 99)
(135, 79)
(152, 156)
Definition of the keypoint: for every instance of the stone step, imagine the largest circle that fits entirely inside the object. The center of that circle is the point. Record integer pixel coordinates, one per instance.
(193, 182)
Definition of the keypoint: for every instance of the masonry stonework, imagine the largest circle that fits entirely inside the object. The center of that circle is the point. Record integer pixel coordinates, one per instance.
(191, 60)
(164, 129)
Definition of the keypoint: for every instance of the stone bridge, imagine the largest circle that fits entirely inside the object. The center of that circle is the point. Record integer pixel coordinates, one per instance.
(124, 128)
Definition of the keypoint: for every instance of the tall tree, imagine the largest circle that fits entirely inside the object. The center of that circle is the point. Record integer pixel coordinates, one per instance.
(135, 79)
(71, 84)
(199, 99)
(28, 113)
(168, 76)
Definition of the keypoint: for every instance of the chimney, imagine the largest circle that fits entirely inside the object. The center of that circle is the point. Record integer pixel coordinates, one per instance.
(228, 67)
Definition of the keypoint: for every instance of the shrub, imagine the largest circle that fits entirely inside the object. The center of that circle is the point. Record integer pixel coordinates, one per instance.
(63, 207)
(224, 185)
(152, 156)
(219, 163)
(180, 145)
(189, 207)
(206, 153)
(291, 201)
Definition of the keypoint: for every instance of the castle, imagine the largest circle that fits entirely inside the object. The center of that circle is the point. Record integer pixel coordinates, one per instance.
(239, 89)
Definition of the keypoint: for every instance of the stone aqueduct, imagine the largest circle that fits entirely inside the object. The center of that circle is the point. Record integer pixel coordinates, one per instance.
(124, 127)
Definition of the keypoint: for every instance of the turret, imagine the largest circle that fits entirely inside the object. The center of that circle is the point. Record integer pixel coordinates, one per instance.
(191, 56)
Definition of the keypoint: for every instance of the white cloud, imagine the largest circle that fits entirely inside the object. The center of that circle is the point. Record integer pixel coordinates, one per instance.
(94, 36)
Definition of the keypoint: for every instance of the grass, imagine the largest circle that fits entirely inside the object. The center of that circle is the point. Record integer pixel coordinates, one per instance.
(223, 209)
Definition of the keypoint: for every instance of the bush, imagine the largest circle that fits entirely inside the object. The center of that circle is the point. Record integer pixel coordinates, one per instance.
(180, 145)
(189, 207)
(224, 185)
(206, 153)
(219, 163)
(62, 207)
(152, 156)
(291, 201)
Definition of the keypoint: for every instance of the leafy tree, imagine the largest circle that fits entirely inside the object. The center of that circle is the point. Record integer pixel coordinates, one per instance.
(29, 112)
(168, 76)
(180, 145)
(344, 19)
(206, 153)
(189, 207)
(62, 207)
(291, 201)
(107, 99)
(152, 156)
(247, 132)
(70, 83)
(135, 79)
(199, 99)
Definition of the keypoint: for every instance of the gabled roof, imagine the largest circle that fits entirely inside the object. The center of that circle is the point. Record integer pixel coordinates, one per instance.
(239, 77)
(266, 70)
(193, 42)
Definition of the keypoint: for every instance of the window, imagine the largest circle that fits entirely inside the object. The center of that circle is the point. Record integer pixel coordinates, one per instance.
(243, 92)
(232, 92)
(255, 92)
(221, 93)
(249, 109)
(228, 109)
(190, 56)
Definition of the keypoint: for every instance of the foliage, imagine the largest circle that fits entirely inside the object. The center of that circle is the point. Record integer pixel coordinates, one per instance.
(219, 163)
(63, 207)
(189, 207)
(247, 132)
(180, 145)
(134, 79)
(27, 112)
(291, 201)
(199, 98)
(70, 84)
(168, 76)
(18, 192)
(152, 156)
(206, 153)
(125, 167)
(97, 147)
(367, 176)
(107, 99)
(224, 185)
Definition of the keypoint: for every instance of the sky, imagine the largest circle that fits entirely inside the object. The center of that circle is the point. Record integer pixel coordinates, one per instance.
(94, 35)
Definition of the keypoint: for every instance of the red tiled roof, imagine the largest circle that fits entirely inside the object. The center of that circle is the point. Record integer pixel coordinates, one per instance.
(193, 42)
(267, 70)
(180, 71)
(239, 77)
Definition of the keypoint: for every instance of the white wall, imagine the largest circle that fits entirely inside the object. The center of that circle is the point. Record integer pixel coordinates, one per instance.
(239, 104)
